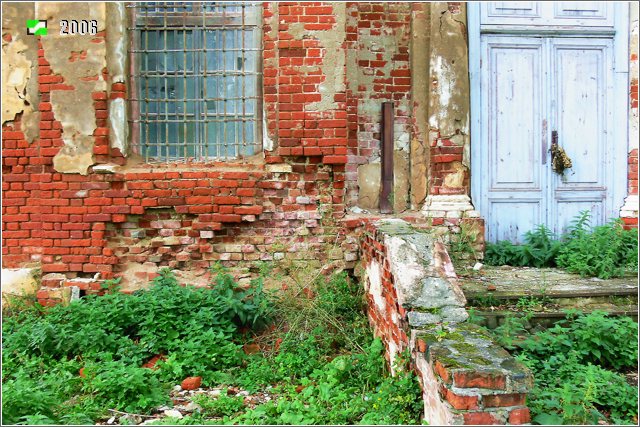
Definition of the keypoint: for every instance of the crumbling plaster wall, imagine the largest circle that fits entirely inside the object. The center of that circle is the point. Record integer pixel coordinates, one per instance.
(19, 69)
(378, 70)
(449, 105)
(417, 56)
(420, 155)
(78, 61)
(79, 66)
(281, 207)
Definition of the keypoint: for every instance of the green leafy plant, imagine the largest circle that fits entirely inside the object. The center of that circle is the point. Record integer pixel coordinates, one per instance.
(539, 250)
(573, 366)
(604, 251)
(113, 335)
(326, 369)
(462, 245)
(221, 406)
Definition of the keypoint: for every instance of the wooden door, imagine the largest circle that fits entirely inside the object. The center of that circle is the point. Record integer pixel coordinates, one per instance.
(533, 83)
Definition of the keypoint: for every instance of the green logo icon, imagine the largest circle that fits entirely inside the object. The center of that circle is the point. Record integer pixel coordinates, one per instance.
(37, 27)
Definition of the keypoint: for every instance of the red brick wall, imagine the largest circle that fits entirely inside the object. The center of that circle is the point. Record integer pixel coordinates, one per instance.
(633, 172)
(445, 160)
(186, 216)
(307, 136)
(391, 325)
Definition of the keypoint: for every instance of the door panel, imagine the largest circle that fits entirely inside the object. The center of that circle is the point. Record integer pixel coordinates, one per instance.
(567, 210)
(511, 218)
(580, 96)
(515, 14)
(531, 87)
(514, 111)
(598, 11)
(581, 113)
(515, 135)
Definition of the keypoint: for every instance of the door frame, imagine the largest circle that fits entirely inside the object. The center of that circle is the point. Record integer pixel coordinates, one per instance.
(620, 126)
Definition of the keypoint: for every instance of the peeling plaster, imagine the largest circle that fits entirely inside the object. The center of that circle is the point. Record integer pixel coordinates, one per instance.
(74, 108)
(116, 40)
(455, 179)
(267, 142)
(362, 80)
(118, 125)
(16, 71)
(13, 19)
(369, 185)
(419, 154)
(449, 77)
(19, 282)
(116, 58)
(374, 276)
(333, 63)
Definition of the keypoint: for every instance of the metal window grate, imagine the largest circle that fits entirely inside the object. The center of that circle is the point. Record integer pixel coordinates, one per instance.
(196, 80)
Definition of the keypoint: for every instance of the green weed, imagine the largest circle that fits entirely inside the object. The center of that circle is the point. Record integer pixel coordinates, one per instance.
(575, 368)
(328, 369)
(604, 251)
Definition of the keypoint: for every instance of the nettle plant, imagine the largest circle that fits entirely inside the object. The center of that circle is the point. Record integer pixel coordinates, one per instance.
(111, 336)
(604, 251)
(577, 370)
(318, 358)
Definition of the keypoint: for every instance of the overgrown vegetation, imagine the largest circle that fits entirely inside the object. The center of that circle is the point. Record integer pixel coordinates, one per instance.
(577, 367)
(603, 251)
(70, 365)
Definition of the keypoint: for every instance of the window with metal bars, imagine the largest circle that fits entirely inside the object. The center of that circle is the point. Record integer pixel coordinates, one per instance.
(195, 80)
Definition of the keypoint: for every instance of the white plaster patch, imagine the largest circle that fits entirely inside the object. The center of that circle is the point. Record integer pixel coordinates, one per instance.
(630, 208)
(116, 39)
(402, 141)
(406, 268)
(267, 143)
(18, 281)
(393, 352)
(374, 276)
(118, 125)
(439, 205)
(441, 76)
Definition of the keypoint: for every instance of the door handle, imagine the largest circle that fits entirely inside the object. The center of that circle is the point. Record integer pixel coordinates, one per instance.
(559, 158)
(544, 142)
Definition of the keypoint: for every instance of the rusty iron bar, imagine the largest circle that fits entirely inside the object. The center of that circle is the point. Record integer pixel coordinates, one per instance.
(386, 190)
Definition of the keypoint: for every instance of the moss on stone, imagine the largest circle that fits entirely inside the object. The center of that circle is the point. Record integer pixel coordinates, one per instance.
(465, 348)
(479, 360)
(430, 310)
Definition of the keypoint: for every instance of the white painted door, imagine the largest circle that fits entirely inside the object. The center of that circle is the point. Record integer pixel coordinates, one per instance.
(534, 83)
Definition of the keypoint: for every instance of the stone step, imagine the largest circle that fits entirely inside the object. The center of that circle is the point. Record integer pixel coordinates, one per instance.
(493, 319)
(496, 293)
(513, 283)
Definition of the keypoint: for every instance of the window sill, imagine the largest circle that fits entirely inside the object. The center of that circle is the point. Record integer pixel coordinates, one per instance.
(135, 163)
